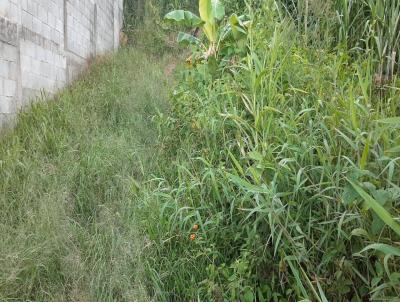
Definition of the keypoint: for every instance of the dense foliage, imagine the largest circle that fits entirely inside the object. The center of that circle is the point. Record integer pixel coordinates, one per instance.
(279, 165)
(136, 11)
(272, 176)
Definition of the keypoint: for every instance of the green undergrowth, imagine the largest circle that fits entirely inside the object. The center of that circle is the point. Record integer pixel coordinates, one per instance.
(279, 178)
(68, 175)
(271, 174)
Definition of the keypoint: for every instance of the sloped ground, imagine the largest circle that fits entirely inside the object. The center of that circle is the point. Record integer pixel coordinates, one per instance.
(68, 176)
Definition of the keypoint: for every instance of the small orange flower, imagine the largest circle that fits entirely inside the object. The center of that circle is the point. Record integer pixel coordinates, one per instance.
(195, 227)
(192, 237)
(189, 61)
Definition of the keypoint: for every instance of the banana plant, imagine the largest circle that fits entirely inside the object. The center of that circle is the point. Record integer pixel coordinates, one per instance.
(212, 12)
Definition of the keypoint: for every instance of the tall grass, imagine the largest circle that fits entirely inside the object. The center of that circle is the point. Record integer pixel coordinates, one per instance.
(136, 11)
(279, 177)
(68, 176)
(274, 176)
(373, 26)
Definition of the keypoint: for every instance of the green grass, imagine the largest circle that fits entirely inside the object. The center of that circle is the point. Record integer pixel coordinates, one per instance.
(287, 157)
(285, 154)
(68, 176)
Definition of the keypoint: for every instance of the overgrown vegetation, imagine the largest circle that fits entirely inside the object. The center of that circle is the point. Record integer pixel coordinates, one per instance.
(137, 11)
(273, 175)
(281, 174)
(68, 175)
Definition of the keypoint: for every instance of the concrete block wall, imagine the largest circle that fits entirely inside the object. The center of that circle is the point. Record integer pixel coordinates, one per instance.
(45, 44)
(80, 16)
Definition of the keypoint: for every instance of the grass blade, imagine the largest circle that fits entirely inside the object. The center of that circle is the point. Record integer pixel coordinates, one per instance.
(377, 208)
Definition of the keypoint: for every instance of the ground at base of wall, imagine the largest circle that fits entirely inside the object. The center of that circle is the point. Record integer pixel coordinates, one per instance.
(67, 179)
(44, 44)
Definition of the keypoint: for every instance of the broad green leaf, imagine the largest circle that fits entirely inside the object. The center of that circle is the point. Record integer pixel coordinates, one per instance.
(242, 183)
(377, 224)
(382, 196)
(183, 18)
(384, 248)
(248, 295)
(218, 9)
(257, 156)
(349, 195)
(236, 26)
(186, 39)
(206, 15)
(395, 277)
(360, 232)
(377, 208)
(210, 12)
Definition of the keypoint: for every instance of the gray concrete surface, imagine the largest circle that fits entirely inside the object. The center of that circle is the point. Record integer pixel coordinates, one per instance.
(45, 44)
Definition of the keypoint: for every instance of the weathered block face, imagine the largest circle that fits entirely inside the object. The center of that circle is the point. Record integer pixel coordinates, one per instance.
(80, 15)
(8, 75)
(44, 44)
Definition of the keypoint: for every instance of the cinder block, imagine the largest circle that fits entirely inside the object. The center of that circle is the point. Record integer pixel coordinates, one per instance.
(28, 49)
(61, 75)
(46, 31)
(63, 62)
(9, 87)
(1, 86)
(45, 69)
(49, 57)
(52, 20)
(35, 67)
(25, 63)
(37, 81)
(4, 8)
(25, 79)
(54, 8)
(13, 75)
(55, 36)
(36, 25)
(24, 4)
(8, 52)
(6, 105)
(59, 25)
(4, 68)
(27, 19)
(14, 12)
(33, 7)
(42, 14)
(59, 61)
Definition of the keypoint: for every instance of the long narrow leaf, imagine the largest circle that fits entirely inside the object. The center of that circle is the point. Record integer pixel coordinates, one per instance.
(384, 248)
(377, 208)
(395, 121)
